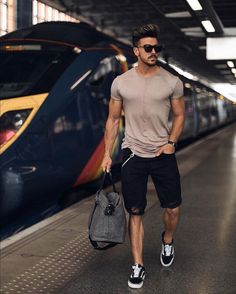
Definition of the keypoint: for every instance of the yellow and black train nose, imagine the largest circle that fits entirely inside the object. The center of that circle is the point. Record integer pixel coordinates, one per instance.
(16, 114)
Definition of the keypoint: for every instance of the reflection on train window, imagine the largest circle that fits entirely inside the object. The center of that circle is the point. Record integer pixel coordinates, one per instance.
(28, 71)
(11, 122)
(98, 77)
(109, 66)
(98, 90)
(188, 98)
(99, 84)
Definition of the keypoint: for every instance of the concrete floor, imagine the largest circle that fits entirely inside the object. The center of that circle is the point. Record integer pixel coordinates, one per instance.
(58, 258)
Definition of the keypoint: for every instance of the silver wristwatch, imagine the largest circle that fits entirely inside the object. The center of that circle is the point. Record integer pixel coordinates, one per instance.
(172, 143)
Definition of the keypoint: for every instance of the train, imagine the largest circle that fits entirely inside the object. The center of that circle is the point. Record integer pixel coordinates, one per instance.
(55, 84)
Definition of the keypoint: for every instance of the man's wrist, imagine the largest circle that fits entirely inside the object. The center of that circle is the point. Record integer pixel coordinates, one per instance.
(107, 154)
(173, 143)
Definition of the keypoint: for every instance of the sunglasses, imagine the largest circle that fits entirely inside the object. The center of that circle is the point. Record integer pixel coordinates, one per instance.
(148, 48)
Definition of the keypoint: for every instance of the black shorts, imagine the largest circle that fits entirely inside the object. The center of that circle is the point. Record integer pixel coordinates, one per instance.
(134, 177)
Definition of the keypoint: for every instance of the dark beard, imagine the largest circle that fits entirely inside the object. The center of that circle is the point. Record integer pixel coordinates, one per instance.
(146, 62)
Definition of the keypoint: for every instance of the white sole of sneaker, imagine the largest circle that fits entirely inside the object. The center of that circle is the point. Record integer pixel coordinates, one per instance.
(169, 264)
(135, 286)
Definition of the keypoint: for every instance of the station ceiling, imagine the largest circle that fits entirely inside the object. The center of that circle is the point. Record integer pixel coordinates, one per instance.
(182, 33)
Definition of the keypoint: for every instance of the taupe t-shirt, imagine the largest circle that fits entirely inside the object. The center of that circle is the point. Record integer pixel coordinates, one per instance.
(146, 104)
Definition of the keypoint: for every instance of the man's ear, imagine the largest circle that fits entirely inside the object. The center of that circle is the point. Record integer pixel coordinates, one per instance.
(136, 51)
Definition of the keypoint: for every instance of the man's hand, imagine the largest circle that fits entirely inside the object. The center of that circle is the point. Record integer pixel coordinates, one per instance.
(106, 163)
(167, 149)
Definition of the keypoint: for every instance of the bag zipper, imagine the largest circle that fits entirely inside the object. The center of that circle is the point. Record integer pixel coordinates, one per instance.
(131, 155)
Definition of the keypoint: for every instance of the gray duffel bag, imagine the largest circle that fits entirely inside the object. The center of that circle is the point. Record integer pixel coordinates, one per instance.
(107, 222)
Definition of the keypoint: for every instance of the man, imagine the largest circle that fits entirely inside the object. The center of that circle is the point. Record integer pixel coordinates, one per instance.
(146, 93)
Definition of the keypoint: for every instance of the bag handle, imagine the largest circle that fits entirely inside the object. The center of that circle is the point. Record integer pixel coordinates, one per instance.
(111, 180)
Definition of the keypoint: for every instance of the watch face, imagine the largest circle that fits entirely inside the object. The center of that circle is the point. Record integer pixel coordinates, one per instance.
(172, 143)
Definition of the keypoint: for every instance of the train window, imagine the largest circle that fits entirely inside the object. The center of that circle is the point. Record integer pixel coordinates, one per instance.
(99, 86)
(108, 68)
(29, 71)
(117, 66)
(99, 76)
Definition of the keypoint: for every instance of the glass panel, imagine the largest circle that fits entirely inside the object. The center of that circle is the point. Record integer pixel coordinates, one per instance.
(10, 17)
(32, 68)
(35, 8)
(55, 14)
(4, 17)
(35, 20)
(42, 11)
(48, 13)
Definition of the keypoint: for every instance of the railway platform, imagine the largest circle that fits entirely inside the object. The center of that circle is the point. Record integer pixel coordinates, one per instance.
(55, 256)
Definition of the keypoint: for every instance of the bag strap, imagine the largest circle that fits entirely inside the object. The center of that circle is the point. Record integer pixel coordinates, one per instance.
(111, 180)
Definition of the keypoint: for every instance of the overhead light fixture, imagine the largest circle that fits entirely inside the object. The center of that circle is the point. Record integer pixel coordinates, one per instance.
(224, 72)
(203, 47)
(225, 89)
(208, 26)
(221, 66)
(230, 63)
(183, 73)
(194, 4)
(222, 48)
(191, 29)
(178, 14)
(233, 70)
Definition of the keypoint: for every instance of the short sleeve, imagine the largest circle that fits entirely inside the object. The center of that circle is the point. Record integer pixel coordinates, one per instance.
(115, 93)
(178, 90)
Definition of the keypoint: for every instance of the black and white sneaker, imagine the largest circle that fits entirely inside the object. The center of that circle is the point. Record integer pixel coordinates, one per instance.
(137, 276)
(167, 252)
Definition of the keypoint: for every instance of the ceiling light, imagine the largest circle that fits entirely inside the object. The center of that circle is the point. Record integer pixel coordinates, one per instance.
(233, 70)
(203, 47)
(208, 26)
(184, 73)
(225, 89)
(224, 72)
(230, 63)
(221, 66)
(178, 14)
(221, 48)
(191, 29)
(194, 4)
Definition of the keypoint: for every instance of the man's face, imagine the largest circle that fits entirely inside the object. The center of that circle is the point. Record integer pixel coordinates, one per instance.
(149, 58)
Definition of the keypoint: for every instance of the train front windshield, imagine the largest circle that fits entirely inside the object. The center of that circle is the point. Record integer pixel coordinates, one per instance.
(27, 69)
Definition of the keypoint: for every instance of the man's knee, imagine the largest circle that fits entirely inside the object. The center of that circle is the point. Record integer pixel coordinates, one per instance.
(135, 211)
(135, 220)
(173, 212)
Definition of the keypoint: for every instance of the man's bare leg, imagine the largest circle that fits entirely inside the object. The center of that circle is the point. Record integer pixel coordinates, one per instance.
(136, 234)
(170, 219)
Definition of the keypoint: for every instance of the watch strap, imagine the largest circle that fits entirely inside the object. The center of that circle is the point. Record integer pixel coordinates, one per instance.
(172, 143)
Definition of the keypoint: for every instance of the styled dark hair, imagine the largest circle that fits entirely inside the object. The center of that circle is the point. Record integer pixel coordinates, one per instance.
(148, 30)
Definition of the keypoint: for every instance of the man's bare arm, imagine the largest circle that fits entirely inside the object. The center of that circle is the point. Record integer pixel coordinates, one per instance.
(178, 108)
(111, 131)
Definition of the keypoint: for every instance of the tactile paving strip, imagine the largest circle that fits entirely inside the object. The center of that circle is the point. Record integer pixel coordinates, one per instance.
(54, 271)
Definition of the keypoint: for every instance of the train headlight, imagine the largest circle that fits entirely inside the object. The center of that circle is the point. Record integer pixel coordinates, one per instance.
(10, 124)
